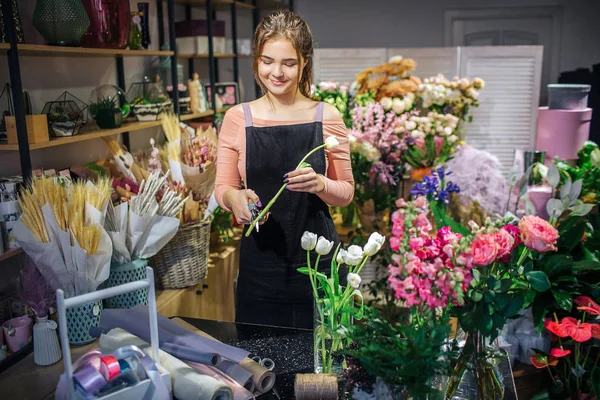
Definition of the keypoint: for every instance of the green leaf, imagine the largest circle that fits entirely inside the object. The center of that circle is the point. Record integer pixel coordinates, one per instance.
(476, 297)
(538, 280)
(476, 275)
(586, 265)
(581, 209)
(575, 190)
(558, 264)
(566, 189)
(553, 176)
(554, 208)
(563, 299)
(303, 270)
(326, 285)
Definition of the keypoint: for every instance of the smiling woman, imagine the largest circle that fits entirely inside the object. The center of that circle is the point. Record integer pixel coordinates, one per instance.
(261, 144)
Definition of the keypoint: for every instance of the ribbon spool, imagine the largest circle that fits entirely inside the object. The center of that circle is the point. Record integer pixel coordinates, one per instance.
(316, 387)
(89, 379)
(110, 367)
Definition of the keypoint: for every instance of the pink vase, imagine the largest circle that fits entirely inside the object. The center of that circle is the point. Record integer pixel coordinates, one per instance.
(562, 133)
(109, 24)
(539, 196)
(17, 332)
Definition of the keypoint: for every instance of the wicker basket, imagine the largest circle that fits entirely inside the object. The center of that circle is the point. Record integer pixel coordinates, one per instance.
(183, 261)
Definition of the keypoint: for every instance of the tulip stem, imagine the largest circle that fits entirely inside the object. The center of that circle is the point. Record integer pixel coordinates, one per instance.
(268, 207)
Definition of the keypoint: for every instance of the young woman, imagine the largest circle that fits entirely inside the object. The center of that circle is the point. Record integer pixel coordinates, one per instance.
(260, 144)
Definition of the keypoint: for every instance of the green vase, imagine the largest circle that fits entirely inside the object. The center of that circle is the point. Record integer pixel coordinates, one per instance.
(60, 22)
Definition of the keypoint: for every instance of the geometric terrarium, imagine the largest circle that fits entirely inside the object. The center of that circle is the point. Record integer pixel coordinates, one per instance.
(66, 115)
(109, 106)
(6, 109)
(148, 99)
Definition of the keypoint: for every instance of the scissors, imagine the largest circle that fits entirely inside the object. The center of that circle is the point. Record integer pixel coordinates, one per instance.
(255, 212)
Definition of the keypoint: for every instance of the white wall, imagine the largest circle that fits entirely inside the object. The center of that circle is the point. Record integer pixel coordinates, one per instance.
(396, 23)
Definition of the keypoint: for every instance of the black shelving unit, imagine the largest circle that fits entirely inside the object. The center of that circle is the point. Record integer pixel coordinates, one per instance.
(13, 53)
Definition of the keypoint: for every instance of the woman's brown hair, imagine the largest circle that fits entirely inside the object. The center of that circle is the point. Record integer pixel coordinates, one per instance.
(288, 25)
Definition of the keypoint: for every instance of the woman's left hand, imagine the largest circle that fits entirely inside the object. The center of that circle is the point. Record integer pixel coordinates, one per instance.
(304, 180)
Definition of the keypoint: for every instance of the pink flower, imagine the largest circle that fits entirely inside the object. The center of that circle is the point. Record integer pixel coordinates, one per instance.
(448, 250)
(416, 243)
(420, 143)
(398, 229)
(484, 249)
(538, 234)
(439, 143)
(505, 242)
(421, 221)
(398, 217)
(395, 243)
(445, 235)
(420, 202)
(401, 203)
(514, 232)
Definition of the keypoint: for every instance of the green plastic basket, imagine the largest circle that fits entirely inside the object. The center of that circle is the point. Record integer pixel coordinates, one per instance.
(125, 273)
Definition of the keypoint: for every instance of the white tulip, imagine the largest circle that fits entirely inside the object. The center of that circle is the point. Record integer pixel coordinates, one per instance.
(386, 103)
(331, 142)
(340, 256)
(354, 255)
(374, 244)
(323, 246)
(354, 280)
(308, 241)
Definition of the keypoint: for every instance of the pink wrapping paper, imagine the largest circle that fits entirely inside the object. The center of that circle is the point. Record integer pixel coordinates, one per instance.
(239, 393)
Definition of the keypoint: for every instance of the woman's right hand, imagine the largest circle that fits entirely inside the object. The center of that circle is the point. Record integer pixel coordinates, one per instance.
(238, 203)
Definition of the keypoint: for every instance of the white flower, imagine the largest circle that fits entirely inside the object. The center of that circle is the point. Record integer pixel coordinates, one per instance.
(408, 103)
(410, 125)
(323, 246)
(448, 131)
(308, 241)
(340, 256)
(331, 142)
(452, 139)
(398, 106)
(395, 59)
(354, 280)
(386, 103)
(416, 134)
(354, 255)
(374, 244)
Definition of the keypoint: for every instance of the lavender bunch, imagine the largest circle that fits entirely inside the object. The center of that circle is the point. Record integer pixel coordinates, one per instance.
(33, 290)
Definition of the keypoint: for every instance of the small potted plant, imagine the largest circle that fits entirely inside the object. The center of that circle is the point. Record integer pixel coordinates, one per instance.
(106, 113)
(66, 115)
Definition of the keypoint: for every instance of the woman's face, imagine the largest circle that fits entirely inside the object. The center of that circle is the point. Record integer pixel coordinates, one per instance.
(279, 68)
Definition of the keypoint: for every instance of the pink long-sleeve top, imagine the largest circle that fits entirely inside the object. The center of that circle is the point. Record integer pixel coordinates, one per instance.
(231, 158)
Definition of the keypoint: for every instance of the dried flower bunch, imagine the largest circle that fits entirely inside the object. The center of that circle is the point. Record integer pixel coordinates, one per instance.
(390, 79)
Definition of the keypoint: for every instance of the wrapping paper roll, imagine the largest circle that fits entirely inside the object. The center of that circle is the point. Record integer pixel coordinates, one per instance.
(263, 379)
(239, 392)
(188, 383)
(238, 373)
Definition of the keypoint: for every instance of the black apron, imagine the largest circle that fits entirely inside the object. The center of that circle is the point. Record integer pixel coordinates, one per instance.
(270, 290)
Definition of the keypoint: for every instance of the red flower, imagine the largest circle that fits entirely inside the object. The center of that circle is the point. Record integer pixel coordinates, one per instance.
(589, 310)
(556, 328)
(596, 331)
(541, 361)
(579, 331)
(585, 301)
(559, 352)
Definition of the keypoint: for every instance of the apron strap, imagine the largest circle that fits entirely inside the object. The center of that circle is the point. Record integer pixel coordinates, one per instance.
(319, 115)
(247, 114)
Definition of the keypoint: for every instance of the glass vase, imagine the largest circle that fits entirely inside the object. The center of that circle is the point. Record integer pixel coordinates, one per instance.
(60, 22)
(109, 24)
(330, 339)
(476, 373)
(135, 32)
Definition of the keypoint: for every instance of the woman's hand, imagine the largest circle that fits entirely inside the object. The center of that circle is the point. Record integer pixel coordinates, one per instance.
(304, 180)
(237, 201)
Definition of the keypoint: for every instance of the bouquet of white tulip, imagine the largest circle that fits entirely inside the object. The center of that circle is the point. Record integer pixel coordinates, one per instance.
(335, 306)
(330, 143)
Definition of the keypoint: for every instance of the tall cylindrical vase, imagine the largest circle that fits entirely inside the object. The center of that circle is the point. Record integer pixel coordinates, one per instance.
(109, 24)
(46, 350)
(144, 8)
(16, 19)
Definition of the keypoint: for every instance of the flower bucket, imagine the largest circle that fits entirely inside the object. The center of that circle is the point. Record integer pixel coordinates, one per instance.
(125, 273)
(80, 320)
(17, 333)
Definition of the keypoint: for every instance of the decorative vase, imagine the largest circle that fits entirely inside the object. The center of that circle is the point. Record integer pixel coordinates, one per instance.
(46, 350)
(60, 22)
(144, 9)
(109, 118)
(125, 273)
(539, 196)
(476, 373)
(17, 333)
(16, 18)
(330, 338)
(109, 24)
(135, 32)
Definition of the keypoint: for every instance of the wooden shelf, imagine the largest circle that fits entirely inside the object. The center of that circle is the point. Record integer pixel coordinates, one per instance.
(88, 132)
(219, 4)
(54, 51)
(10, 254)
(205, 55)
(187, 117)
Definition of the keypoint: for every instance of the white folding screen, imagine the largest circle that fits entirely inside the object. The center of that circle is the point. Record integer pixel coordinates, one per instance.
(342, 65)
(507, 117)
(430, 61)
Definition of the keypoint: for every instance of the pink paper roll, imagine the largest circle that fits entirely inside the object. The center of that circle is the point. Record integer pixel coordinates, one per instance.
(562, 133)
